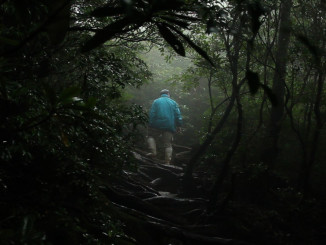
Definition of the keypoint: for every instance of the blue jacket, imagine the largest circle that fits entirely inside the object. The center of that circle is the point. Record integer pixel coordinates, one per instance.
(165, 114)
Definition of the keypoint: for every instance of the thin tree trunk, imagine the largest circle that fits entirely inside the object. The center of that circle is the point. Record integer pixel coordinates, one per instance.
(233, 59)
(210, 122)
(289, 110)
(222, 174)
(187, 180)
(307, 168)
(270, 41)
(226, 163)
(205, 145)
(270, 154)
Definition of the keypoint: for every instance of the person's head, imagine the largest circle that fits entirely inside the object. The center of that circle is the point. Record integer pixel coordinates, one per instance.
(165, 91)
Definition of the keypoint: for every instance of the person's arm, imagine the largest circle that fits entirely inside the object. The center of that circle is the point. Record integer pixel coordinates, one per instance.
(178, 116)
(152, 113)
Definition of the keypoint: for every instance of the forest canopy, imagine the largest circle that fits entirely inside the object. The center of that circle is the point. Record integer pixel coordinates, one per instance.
(78, 77)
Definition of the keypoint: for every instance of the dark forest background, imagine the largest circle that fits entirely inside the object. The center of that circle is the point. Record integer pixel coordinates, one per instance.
(77, 79)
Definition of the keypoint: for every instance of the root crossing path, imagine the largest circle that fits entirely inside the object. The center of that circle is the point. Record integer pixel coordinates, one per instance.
(151, 205)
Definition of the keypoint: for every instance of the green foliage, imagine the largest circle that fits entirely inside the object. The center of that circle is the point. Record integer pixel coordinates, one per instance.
(66, 127)
(63, 128)
(275, 199)
(131, 15)
(171, 39)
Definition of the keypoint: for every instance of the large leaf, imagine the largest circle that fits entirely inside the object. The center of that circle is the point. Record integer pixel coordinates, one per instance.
(171, 39)
(193, 45)
(271, 96)
(253, 81)
(255, 11)
(254, 84)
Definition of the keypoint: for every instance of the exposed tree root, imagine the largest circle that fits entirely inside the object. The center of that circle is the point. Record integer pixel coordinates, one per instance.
(148, 202)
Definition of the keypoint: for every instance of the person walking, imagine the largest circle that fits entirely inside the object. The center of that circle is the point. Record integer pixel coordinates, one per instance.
(164, 120)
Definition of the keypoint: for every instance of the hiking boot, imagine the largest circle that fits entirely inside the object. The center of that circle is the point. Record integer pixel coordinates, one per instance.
(151, 155)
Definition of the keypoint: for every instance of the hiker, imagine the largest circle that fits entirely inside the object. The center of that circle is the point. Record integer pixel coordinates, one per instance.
(164, 120)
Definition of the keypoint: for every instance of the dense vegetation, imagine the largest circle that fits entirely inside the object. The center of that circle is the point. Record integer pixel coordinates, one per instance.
(77, 78)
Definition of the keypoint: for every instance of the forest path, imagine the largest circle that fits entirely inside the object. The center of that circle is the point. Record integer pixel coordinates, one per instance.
(151, 205)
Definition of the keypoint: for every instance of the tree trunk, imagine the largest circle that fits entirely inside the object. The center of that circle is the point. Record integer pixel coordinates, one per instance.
(226, 163)
(320, 42)
(307, 167)
(205, 145)
(271, 151)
